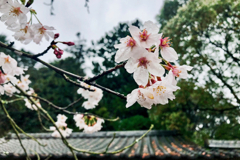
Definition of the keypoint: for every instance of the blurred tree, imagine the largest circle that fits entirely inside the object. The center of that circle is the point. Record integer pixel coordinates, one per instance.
(206, 36)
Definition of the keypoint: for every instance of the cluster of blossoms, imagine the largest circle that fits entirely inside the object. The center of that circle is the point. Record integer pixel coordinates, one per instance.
(11, 76)
(14, 14)
(143, 60)
(93, 97)
(89, 124)
(62, 126)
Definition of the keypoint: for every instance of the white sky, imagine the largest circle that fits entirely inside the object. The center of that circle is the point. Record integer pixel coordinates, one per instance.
(71, 17)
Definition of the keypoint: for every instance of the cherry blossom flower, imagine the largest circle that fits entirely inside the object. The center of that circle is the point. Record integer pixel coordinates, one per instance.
(9, 89)
(31, 106)
(61, 118)
(62, 126)
(23, 34)
(94, 124)
(83, 91)
(79, 120)
(25, 79)
(163, 90)
(126, 49)
(13, 11)
(167, 52)
(23, 85)
(11, 79)
(148, 37)
(144, 96)
(142, 64)
(8, 64)
(41, 31)
(181, 71)
(95, 128)
(93, 97)
(65, 132)
(89, 104)
(18, 71)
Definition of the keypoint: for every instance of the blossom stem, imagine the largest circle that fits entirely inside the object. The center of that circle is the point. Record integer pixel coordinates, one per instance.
(37, 18)
(15, 130)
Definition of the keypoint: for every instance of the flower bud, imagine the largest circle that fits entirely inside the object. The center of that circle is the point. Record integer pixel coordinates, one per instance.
(29, 3)
(69, 43)
(2, 78)
(167, 67)
(56, 35)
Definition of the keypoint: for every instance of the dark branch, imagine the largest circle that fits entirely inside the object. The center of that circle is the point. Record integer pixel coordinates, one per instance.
(104, 73)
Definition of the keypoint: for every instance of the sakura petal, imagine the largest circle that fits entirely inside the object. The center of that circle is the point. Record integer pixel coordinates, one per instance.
(131, 66)
(134, 31)
(155, 69)
(123, 54)
(151, 27)
(188, 68)
(132, 98)
(141, 76)
(169, 54)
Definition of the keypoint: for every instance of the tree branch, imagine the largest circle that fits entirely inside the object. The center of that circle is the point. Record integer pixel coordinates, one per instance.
(104, 73)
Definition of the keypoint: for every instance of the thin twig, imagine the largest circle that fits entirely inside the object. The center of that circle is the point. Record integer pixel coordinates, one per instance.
(69, 112)
(46, 50)
(15, 130)
(104, 73)
(114, 134)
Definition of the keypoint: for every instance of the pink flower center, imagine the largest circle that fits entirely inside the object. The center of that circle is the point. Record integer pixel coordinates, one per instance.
(164, 42)
(176, 71)
(143, 35)
(42, 30)
(143, 62)
(131, 42)
(16, 11)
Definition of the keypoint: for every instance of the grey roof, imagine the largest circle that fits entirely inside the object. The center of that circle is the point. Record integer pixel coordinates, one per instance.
(157, 144)
(224, 144)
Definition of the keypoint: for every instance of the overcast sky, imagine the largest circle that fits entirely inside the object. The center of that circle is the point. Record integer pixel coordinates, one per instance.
(71, 17)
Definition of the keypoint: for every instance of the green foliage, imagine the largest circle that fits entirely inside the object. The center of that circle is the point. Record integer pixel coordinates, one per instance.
(136, 122)
(205, 35)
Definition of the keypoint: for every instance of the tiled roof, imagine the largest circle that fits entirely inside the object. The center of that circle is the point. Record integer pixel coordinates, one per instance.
(157, 144)
(223, 144)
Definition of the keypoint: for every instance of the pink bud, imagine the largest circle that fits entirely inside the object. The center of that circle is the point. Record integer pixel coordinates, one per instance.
(56, 35)
(58, 56)
(2, 78)
(167, 67)
(60, 51)
(55, 51)
(69, 43)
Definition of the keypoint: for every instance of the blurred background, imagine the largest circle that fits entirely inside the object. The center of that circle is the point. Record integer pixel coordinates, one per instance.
(204, 33)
